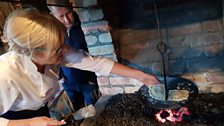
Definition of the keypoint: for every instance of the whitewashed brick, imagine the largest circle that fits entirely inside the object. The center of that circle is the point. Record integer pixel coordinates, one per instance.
(90, 15)
(131, 89)
(95, 27)
(206, 83)
(124, 81)
(91, 40)
(96, 14)
(101, 50)
(105, 38)
(111, 91)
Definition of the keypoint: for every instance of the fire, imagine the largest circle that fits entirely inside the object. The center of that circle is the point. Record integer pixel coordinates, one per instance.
(172, 115)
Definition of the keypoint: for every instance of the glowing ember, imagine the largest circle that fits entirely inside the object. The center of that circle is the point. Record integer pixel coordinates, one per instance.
(172, 115)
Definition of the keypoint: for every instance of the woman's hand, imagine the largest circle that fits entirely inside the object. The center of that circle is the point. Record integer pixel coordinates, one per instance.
(37, 121)
(148, 79)
(45, 121)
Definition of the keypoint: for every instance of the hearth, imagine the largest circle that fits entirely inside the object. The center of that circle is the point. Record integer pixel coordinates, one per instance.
(125, 110)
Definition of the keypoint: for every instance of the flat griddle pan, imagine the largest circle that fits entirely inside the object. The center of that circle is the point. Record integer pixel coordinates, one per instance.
(173, 83)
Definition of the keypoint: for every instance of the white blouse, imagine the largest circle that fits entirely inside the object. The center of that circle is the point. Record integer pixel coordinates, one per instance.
(22, 87)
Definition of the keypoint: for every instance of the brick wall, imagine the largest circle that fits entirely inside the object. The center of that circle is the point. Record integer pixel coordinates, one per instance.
(192, 31)
(99, 41)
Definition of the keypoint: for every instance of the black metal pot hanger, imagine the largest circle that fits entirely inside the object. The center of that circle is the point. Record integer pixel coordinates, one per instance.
(162, 48)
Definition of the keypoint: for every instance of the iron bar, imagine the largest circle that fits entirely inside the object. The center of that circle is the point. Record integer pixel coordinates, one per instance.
(162, 49)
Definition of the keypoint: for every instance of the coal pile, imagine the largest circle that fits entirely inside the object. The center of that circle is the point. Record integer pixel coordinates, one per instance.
(126, 110)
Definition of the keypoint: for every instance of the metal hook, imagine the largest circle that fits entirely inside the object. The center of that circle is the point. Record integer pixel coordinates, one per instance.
(161, 47)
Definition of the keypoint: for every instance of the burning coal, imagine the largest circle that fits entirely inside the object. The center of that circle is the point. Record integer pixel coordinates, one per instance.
(172, 115)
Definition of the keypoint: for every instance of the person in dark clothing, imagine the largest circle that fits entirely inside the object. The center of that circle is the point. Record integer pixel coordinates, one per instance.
(81, 86)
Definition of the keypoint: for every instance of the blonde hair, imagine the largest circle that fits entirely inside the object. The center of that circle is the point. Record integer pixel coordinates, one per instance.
(29, 30)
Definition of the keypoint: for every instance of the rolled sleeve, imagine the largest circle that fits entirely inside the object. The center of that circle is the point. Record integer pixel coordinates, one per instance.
(3, 122)
(82, 60)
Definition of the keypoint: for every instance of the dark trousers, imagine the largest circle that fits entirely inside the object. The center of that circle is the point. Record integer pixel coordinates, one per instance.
(87, 94)
(26, 114)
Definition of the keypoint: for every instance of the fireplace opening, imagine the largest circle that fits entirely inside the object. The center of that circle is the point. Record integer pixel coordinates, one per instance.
(193, 33)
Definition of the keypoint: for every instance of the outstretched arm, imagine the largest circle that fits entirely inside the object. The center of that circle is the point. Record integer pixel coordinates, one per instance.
(123, 70)
(82, 60)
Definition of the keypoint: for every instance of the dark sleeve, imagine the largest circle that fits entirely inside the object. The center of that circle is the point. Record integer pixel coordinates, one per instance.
(76, 19)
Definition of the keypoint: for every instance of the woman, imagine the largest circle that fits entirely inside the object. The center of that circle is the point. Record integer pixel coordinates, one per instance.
(29, 70)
